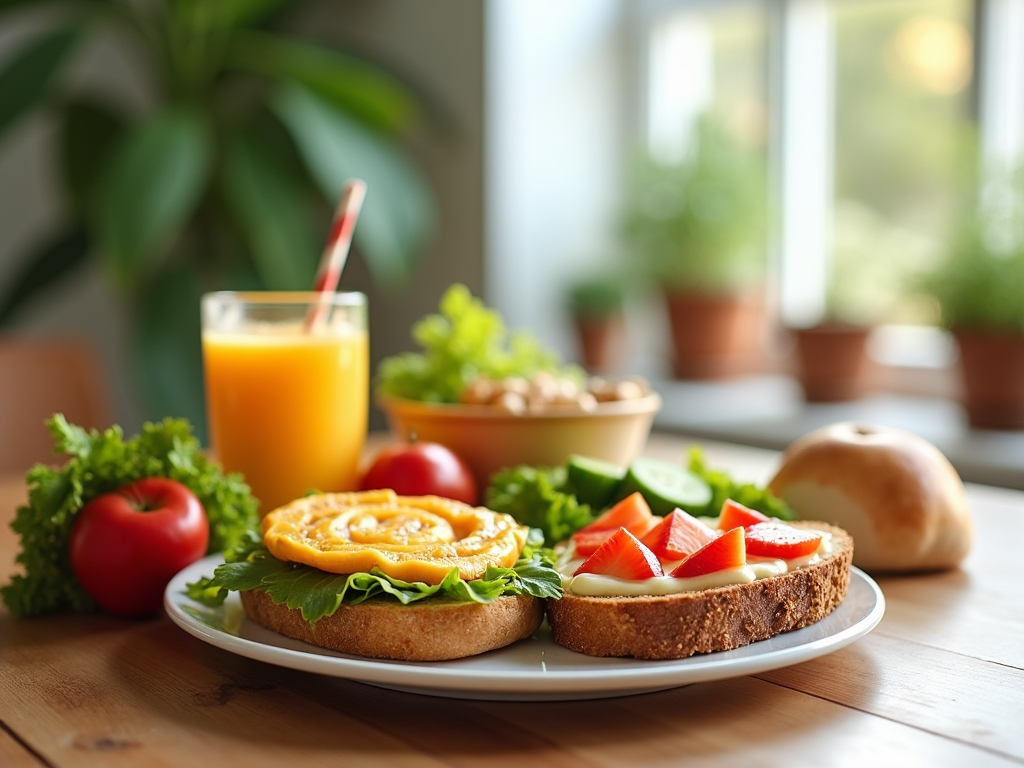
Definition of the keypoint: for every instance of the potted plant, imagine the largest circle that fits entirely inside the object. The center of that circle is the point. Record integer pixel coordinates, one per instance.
(227, 177)
(979, 290)
(697, 227)
(596, 305)
(832, 363)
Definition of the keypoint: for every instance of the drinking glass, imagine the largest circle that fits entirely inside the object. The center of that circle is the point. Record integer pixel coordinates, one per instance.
(287, 389)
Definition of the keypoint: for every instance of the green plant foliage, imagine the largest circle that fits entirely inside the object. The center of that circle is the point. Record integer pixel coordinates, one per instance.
(598, 295)
(226, 180)
(700, 222)
(979, 284)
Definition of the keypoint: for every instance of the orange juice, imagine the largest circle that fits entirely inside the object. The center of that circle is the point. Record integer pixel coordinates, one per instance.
(288, 408)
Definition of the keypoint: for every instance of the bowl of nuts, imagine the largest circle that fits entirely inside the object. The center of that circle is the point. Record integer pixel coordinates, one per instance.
(539, 420)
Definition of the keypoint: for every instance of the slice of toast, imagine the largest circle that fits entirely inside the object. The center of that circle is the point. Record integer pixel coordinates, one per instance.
(718, 619)
(429, 630)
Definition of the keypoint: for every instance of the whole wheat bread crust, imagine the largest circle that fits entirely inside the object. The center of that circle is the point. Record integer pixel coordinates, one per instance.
(719, 619)
(431, 630)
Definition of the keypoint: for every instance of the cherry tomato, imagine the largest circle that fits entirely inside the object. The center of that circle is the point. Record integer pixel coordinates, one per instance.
(421, 468)
(126, 545)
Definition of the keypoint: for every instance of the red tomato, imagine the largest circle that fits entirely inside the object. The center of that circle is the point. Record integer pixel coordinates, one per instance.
(724, 553)
(126, 545)
(632, 513)
(786, 542)
(421, 469)
(622, 556)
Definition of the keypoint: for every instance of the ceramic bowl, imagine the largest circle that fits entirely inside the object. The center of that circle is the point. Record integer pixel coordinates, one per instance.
(490, 439)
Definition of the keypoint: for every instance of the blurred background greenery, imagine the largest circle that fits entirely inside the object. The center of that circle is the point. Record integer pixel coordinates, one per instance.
(500, 139)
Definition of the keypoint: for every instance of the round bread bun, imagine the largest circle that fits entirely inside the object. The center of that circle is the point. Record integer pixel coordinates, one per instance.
(895, 492)
(718, 619)
(430, 630)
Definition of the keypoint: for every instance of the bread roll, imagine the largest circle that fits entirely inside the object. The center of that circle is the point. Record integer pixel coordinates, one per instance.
(895, 492)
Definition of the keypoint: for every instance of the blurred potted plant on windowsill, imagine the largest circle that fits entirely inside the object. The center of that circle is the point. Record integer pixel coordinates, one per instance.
(698, 227)
(596, 305)
(227, 179)
(979, 290)
(832, 360)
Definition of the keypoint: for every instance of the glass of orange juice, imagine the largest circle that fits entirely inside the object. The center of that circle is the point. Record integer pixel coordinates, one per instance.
(287, 389)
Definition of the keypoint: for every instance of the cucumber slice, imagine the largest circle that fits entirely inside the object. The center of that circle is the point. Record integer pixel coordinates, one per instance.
(665, 485)
(593, 481)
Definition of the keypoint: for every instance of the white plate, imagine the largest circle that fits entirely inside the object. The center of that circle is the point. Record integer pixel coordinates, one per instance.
(535, 669)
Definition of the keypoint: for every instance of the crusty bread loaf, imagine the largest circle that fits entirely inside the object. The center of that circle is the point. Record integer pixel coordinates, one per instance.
(430, 630)
(897, 495)
(718, 619)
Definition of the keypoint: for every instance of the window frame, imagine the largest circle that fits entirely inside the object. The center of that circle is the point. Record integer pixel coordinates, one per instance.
(804, 73)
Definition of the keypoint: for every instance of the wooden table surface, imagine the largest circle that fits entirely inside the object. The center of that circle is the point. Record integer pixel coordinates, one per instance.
(939, 682)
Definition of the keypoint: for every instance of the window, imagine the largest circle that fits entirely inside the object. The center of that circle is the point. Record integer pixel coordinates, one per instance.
(865, 107)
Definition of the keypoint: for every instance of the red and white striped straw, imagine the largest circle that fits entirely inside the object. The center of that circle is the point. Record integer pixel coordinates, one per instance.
(332, 262)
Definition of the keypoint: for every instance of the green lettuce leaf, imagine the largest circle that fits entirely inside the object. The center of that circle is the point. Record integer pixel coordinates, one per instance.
(100, 462)
(464, 340)
(723, 487)
(536, 496)
(318, 594)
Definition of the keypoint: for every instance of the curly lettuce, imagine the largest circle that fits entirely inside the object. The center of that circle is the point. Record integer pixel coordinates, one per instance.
(539, 497)
(100, 462)
(464, 340)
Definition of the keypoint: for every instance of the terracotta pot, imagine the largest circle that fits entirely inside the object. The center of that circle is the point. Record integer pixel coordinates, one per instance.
(714, 336)
(992, 373)
(833, 364)
(602, 341)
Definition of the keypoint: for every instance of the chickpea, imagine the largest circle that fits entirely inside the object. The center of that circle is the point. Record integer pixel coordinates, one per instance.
(512, 402)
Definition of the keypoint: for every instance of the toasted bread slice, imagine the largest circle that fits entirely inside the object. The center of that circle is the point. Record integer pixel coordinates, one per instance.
(430, 630)
(718, 619)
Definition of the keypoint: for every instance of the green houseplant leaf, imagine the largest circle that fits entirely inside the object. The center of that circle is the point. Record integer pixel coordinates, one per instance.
(396, 218)
(225, 14)
(370, 94)
(152, 184)
(33, 70)
(167, 349)
(272, 209)
(51, 262)
(89, 131)
(227, 178)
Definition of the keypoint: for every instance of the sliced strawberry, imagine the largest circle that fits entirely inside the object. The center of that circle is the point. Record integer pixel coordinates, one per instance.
(632, 513)
(735, 514)
(587, 542)
(623, 557)
(724, 553)
(782, 541)
(679, 534)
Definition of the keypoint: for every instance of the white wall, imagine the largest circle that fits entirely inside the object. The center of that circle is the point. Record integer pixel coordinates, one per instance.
(556, 129)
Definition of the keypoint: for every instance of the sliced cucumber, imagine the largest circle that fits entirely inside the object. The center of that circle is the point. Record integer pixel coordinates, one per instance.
(594, 481)
(665, 485)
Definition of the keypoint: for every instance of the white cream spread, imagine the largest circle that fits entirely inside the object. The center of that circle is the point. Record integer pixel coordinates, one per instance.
(596, 585)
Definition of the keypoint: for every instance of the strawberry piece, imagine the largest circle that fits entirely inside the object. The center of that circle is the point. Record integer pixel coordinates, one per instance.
(781, 541)
(587, 542)
(623, 557)
(724, 553)
(632, 513)
(679, 534)
(735, 514)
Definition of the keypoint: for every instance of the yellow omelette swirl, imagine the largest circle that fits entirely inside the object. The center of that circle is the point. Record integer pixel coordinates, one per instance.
(412, 538)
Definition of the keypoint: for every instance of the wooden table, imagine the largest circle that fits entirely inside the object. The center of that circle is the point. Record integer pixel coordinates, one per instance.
(940, 682)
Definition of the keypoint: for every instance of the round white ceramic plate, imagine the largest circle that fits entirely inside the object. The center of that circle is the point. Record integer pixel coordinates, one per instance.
(535, 669)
